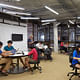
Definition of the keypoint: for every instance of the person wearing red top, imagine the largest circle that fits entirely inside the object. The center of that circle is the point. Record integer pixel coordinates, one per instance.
(62, 44)
(64, 47)
(34, 53)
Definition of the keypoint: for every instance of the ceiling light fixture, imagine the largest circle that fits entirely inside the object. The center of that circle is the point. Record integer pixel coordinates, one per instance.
(45, 23)
(71, 22)
(78, 17)
(78, 26)
(18, 0)
(32, 18)
(14, 13)
(50, 9)
(10, 6)
(48, 20)
(68, 25)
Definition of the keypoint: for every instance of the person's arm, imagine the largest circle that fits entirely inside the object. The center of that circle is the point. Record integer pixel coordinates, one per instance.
(6, 51)
(76, 58)
(31, 52)
(31, 42)
(5, 54)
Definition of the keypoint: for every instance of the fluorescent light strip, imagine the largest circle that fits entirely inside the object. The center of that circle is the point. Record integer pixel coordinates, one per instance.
(68, 26)
(78, 17)
(10, 6)
(35, 18)
(45, 23)
(13, 12)
(50, 9)
(17, 0)
(49, 20)
(71, 22)
(58, 23)
(78, 26)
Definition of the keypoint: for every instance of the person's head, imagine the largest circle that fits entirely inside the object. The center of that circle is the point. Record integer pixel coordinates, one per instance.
(1, 44)
(31, 36)
(9, 43)
(31, 47)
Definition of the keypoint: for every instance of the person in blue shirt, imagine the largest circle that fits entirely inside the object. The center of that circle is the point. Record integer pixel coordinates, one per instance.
(30, 41)
(9, 47)
(76, 57)
(6, 61)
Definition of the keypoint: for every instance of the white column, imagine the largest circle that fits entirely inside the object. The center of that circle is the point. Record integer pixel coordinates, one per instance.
(55, 29)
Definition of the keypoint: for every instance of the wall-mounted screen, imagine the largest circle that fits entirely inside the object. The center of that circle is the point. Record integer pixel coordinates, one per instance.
(17, 37)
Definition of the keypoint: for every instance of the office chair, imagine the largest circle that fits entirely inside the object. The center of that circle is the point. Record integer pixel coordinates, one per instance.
(47, 54)
(62, 50)
(75, 73)
(36, 64)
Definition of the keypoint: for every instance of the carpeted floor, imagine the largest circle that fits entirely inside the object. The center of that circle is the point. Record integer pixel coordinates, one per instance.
(55, 70)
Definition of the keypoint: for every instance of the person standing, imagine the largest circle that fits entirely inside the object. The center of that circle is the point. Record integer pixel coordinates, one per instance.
(30, 41)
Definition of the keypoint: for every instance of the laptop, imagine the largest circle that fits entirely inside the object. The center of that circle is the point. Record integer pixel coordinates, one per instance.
(13, 51)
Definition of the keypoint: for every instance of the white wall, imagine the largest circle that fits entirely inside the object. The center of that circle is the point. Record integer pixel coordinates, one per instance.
(5, 35)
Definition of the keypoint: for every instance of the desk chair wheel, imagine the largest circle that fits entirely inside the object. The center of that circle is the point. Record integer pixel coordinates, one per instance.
(32, 71)
(40, 69)
(70, 73)
(67, 74)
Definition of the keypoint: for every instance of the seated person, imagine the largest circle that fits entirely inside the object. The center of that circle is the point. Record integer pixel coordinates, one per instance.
(40, 46)
(6, 61)
(47, 52)
(34, 53)
(63, 47)
(9, 47)
(76, 57)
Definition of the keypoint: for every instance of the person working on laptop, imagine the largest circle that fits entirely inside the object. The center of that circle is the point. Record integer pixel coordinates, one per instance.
(9, 47)
(6, 61)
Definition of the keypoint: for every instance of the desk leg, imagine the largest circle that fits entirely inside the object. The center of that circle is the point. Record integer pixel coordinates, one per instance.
(18, 68)
(18, 64)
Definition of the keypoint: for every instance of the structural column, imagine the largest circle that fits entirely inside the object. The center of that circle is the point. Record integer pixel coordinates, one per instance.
(55, 29)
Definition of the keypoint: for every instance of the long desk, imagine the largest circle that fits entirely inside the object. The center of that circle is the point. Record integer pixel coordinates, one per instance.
(18, 56)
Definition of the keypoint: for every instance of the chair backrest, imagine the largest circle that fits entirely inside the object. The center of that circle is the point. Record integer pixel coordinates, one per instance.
(38, 54)
(47, 51)
(71, 57)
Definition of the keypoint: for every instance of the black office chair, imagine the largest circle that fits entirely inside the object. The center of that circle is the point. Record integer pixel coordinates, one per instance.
(62, 50)
(47, 54)
(75, 73)
(36, 64)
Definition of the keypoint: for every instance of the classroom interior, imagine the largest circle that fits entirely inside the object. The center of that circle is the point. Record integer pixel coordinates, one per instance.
(49, 22)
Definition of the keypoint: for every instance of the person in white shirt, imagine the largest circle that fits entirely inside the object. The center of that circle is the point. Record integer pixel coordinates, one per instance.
(40, 46)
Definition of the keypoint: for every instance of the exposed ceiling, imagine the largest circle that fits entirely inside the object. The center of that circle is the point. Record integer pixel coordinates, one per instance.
(68, 9)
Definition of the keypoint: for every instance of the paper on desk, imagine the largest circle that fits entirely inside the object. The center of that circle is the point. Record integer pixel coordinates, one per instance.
(25, 52)
(17, 55)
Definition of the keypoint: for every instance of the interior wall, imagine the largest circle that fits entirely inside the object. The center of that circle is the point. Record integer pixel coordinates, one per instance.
(6, 32)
